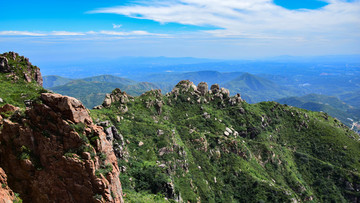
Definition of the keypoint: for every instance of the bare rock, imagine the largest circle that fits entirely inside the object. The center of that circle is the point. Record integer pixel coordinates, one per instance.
(228, 130)
(8, 108)
(69, 107)
(48, 135)
(203, 88)
(215, 88)
(104, 124)
(22, 68)
(116, 96)
(98, 107)
(225, 92)
(6, 194)
(184, 86)
(4, 65)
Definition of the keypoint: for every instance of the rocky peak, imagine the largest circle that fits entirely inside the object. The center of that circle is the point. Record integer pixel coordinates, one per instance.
(215, 88)
(201, 93)
(116, 96)
(185, 86)
(203, 88)
(54, 153)
(18, 67)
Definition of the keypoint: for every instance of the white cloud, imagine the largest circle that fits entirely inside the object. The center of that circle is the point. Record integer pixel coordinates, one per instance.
(131, 33)
(115, 26)
(21, 33)
(65, 33)
(89, 33)
(252, 18)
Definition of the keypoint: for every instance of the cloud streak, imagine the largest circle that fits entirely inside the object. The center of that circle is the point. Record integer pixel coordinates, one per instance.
(251, 18)
(21, 33)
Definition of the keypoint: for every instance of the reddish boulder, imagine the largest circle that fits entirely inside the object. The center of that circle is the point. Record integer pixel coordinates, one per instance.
(8, 108)
(53, 154)
(69, 107)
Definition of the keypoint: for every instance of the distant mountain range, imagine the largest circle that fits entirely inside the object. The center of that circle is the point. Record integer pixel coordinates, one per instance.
(293, 88)
(91, 91)
(255, 89)
(329, 104)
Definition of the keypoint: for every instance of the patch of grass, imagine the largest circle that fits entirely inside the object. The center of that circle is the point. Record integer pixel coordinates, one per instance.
(104, 170)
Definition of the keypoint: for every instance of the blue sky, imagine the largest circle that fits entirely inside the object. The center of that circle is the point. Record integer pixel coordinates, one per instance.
(226, 29)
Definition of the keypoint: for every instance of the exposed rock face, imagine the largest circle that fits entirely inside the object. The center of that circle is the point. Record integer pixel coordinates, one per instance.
(203, 88)
(8, 108)
(6, 194)
(19, 66)
(235, 100)
(184, 86)
(201, 94)
(4, 65)
(215, 88)
(117, 96)
(69, 107)
(53, 154)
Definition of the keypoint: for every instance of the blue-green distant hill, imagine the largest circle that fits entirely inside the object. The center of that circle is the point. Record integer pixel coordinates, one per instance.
(329, 104)
(91, 91)
(256, 89)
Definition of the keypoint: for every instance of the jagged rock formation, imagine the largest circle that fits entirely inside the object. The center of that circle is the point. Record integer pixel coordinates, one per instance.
(6, 194)
(116, 95)
(18, 67)
(54, 153)
(202, 94)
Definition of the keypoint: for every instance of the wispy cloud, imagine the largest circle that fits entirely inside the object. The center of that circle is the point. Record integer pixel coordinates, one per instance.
(251, 18)
(21, 33)
(115, 26)
(89, 34)
(132, 33)
(65, 33)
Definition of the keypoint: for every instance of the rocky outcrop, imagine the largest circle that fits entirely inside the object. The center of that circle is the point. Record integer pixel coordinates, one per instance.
(18, 67)
(69, 107)
(116, 96)
(54, 153)
(200, 94)
(6, 194)
(203, 88)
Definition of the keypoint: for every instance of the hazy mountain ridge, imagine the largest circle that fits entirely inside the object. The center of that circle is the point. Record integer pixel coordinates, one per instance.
(91, 91)
(329, 104)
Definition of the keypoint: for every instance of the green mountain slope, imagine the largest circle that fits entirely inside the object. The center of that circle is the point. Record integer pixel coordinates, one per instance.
(110, 79)
(89, 93)
(54, 80)
(139, 88)
(329, 104)
(352, 98)
(216, 148)
(255, 89)
(18, 80)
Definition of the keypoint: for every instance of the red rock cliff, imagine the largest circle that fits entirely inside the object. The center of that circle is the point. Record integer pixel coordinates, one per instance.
(54, 153)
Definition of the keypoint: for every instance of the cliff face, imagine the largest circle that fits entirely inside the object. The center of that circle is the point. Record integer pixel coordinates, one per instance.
(19, 68)
(6, 194)
(54, 153)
